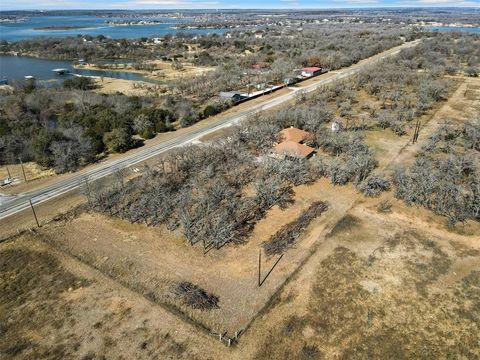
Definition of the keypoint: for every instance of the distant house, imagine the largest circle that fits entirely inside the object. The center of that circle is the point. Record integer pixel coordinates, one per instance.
(232, 95)
(311, 71)
(292, 149)
(290, 81)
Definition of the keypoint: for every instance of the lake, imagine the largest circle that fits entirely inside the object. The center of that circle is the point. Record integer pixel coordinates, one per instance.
(452, 28)
(94, 25)
(17, 67)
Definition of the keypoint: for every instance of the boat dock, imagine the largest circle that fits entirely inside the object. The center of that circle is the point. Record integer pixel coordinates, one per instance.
(61, 71)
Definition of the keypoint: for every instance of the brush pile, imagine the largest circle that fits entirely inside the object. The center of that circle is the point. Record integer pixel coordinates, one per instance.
(195, 297)
(288, 234)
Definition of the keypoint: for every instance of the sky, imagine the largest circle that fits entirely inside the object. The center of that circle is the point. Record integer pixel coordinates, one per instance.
(226, 4)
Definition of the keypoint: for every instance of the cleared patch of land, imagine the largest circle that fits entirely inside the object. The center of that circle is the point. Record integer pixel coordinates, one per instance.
(128, 87)
(152, 260)
(69, 310)
(160, 70)
(31, 171)
(379, 287)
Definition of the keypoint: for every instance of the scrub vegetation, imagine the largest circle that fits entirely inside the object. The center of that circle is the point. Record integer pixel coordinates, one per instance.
(68, 127)
(371, 244)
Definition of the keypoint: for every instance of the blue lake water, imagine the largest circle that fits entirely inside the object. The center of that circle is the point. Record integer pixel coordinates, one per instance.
(95, 25)
(451, 28)
(17, 67)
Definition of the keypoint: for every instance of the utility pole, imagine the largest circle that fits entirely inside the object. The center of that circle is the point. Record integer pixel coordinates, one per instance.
(8, 172)
(259, 267)
(23, 170)
(34, 214)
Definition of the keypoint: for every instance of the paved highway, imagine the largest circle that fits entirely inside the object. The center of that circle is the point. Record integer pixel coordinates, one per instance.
(14, 205)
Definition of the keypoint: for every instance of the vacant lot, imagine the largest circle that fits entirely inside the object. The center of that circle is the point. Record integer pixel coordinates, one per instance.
(152, 260)
(32, 172)
(68, 310)
(382, 288)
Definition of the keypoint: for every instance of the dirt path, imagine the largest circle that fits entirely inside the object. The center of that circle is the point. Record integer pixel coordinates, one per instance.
(456, 109)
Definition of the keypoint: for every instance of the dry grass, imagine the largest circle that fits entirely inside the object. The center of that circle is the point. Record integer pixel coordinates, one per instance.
(162, 70)
(127, 87)
(152, 260)
(32, 172)
(392, 306)
(29, 304)
(69, 311)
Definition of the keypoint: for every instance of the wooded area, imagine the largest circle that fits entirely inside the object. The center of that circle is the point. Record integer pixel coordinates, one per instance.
(67, 127)
(215, 193)
(446, 175)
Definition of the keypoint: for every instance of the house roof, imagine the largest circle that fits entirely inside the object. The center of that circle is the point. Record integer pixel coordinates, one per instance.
(293, 134)
(230, 94)
(294, 149)
(312, 69)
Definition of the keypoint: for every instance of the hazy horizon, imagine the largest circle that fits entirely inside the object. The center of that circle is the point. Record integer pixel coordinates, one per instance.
(154, 5)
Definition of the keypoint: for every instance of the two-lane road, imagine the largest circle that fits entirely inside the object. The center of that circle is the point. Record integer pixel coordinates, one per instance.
(64, 185)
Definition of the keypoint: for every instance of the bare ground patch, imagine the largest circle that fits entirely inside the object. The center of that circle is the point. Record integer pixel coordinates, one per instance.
(68, 310)
(384, 291)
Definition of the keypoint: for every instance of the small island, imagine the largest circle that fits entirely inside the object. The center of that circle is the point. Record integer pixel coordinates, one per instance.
(132, 22)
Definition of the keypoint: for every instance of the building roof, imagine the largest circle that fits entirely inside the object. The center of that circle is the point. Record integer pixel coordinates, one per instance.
(294, 149)
(230, 94)
(293, 134)
(312, 69)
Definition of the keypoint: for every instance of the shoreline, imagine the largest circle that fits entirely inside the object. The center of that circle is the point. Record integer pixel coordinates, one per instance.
(147, 75)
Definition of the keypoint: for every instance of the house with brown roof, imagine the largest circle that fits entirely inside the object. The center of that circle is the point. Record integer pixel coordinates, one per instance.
(292, 149)
(292, 146)
(294, 134)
